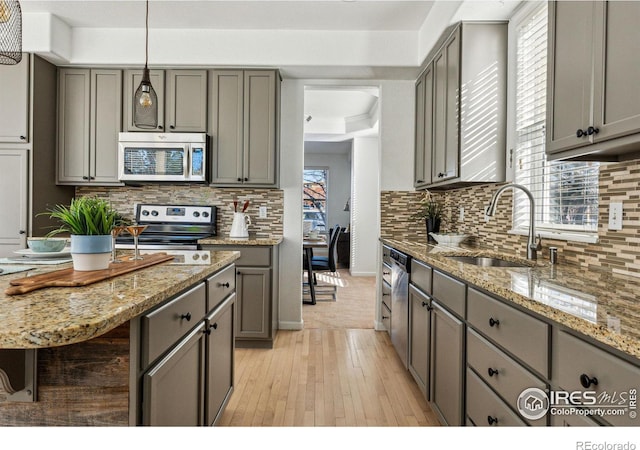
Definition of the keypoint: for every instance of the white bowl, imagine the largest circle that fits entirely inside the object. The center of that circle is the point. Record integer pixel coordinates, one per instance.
(453, 239)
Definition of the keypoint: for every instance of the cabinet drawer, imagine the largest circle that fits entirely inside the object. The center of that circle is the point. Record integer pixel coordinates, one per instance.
(164, 326)
(386, 318)
(449, 292)
(250, 256)
(524, 336)
(484, 407)
(421, 276)
(575, 361)
(502, 373)
(220, 285)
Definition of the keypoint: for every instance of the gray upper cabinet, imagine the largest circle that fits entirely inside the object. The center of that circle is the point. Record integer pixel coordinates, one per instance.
(89, 120)
(461, 108)
(186, 99)
(593, 103)
(132, 80)
(446, 82)
(14, 91)
(424, 134)
(243, 126)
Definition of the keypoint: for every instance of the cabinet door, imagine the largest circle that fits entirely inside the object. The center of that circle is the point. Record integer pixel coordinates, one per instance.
(259, 127)
(253, 287)
(445, 110)
(173, 389)
(106, 123)
(570, 66)
(74, 95)
(220, 363)
(226, 126)
(14, 171)
(447, 365)
(132, 80)
(424, 132)
(419, 337)
(187, 100)
(616, 93)
(14, 91)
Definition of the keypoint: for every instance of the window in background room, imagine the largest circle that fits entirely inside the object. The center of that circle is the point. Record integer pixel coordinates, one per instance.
(566, 193)
(314, 199)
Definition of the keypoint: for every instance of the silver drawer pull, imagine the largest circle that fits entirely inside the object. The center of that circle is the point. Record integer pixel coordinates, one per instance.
(493, 322)
(186, 316)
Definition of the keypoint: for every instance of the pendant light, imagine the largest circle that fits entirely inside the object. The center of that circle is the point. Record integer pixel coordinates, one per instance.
(10, 32)
(145, 100)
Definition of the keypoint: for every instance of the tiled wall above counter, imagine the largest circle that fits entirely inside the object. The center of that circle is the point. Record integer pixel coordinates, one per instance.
(124, 198)
(615, 251)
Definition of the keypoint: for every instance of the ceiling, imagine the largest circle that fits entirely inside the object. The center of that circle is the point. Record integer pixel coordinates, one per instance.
(337, 114)
(238, 14)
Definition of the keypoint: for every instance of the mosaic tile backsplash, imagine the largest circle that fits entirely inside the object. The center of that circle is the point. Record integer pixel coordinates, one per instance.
(125, 198)
(616, 251)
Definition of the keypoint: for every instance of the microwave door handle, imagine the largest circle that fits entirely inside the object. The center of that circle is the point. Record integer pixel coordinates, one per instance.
(187, 163)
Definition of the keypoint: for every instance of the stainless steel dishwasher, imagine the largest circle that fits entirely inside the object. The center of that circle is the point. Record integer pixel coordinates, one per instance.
(400, 268)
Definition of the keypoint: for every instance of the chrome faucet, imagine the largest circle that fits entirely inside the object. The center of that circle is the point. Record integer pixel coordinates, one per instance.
(534, 243)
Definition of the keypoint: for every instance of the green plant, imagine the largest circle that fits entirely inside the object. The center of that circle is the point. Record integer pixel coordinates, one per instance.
(85, 216)
(428, 208)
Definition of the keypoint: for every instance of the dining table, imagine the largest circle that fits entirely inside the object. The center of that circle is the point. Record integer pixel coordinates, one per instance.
(308, 244)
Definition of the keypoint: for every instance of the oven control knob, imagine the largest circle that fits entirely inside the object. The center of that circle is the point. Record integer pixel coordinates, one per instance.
(145, 212)
(205, 214)
(154, 213)
(196, 214)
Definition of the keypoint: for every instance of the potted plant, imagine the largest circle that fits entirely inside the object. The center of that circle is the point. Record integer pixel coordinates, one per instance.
(89, 221)
(431, 211)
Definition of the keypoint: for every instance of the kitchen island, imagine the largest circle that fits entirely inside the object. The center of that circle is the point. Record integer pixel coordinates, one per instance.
(90, 352)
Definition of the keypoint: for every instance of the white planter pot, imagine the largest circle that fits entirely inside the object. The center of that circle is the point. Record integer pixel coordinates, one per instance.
(91, 252)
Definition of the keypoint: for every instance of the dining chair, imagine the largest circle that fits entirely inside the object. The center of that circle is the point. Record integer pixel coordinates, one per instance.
(327, 263)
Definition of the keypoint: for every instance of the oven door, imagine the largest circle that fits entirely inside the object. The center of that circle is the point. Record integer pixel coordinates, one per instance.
(154, 161)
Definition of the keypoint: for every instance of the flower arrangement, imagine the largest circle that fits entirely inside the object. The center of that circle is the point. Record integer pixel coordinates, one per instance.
(429, 208)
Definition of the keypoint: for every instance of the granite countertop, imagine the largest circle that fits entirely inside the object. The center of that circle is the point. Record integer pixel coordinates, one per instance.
(253, 239)
(598, 304)
(55, 316)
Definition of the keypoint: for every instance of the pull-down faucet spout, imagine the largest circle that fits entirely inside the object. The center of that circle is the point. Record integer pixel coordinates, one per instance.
(534, 243)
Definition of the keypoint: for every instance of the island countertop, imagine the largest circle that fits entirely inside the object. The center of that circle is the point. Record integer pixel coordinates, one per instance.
(598, 304)
(56, 316)
(252, 240)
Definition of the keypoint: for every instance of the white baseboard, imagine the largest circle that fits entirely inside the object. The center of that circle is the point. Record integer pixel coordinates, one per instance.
(378, 326)
(285, 325)
(363, 274)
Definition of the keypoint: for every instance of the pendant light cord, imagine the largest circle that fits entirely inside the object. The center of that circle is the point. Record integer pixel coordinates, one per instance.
(146, 37)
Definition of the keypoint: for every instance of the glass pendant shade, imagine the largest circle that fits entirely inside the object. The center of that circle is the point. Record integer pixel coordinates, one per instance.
(145, 104)
(10, 32)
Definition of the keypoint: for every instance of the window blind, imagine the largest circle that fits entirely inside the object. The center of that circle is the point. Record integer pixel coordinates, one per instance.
(566, 193)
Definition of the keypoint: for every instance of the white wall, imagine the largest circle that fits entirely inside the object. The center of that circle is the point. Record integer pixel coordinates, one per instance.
(365, 209)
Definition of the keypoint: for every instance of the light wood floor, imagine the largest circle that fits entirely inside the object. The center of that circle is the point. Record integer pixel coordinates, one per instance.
(338, 371)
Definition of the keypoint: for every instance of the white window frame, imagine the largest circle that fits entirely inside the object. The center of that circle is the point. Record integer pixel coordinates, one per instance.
(521, 12)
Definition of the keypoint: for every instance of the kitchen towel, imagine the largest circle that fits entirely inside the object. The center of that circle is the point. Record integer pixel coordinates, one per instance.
(34, 261)
(6, 270)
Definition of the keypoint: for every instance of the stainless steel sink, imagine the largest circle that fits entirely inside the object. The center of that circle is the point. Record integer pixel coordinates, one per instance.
(486, 261)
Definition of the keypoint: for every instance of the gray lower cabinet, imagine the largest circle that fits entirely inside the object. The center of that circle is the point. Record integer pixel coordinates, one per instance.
(419, 337)
(89, 120)
(243, 124)
(257, 291)
(185, 359)
(220, 326)
(447, 365)
(485, 408)
(173, 389)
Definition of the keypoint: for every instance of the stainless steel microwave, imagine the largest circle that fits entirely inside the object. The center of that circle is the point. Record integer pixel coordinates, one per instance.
(177, 157)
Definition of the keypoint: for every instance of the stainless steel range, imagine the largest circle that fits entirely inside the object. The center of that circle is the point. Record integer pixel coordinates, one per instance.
(171, 227)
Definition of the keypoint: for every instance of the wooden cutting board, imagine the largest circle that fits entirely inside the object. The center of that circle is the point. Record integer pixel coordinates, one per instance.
(73, 278)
